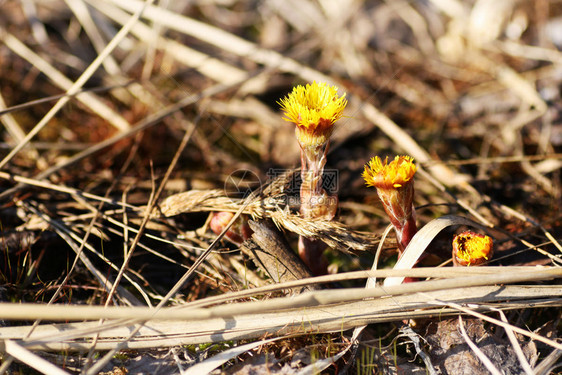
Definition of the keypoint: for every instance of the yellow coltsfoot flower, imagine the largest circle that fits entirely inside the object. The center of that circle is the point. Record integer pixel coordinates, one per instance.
(393, 175)
(472, 249)
(314, 109)
(394, 182)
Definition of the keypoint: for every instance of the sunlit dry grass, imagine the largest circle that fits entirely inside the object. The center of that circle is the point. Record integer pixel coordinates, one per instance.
(127, 123)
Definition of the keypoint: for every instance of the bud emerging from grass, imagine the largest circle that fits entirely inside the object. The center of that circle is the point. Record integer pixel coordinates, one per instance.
(394, 182)
(472, 249)
(314, 109)
(238, 231)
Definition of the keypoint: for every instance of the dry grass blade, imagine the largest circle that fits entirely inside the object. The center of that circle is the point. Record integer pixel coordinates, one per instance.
(64, 233)
(88, 99)
(225, 40)
(60, 188)
(472, 311)
(218, 360)
(333, 233)
(323, 363)
(515, 344)
(335, 318)
(422, 239)
(76, 85)
(207, 65)
(34, 361)
(129, 252)
(11, 124)
(549, 363)
(179, 284)
(85, 18)
(416, 272)
(143, 125)
(310, 299)
(248, 324)
(483, 358)
(415, 338)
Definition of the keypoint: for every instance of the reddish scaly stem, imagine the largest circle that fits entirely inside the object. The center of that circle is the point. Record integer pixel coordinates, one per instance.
(314, 109)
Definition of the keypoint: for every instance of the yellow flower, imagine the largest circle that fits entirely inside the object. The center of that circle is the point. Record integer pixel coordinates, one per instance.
(314, 108)
(395, 187)
(471, 248)
(395, 174)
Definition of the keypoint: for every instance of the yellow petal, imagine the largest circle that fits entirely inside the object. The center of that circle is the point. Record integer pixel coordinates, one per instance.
(314, 108)
(385, 175)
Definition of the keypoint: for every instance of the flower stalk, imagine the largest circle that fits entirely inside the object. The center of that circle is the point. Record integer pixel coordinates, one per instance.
(314, 109)
(394, 182)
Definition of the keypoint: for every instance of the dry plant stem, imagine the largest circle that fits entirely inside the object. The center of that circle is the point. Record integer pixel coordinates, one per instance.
(17, 351)
(439, 185)
(371, 283)
(278, 321)
(547, 364)
(415, 340)
(65, 234)
(10, 123)
(60, 188)
(504, 325)
(153, 199)
(273, 254)
(84, 16)
(225, 40)
(309, 299)
(333, 318)
(210, 66)
(32, 103)
(520, 216)
(515, 344)
(485, 360)
(425, 272)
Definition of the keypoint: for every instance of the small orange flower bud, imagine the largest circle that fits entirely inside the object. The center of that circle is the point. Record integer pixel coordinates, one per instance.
(472, 249)
(237, 233)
